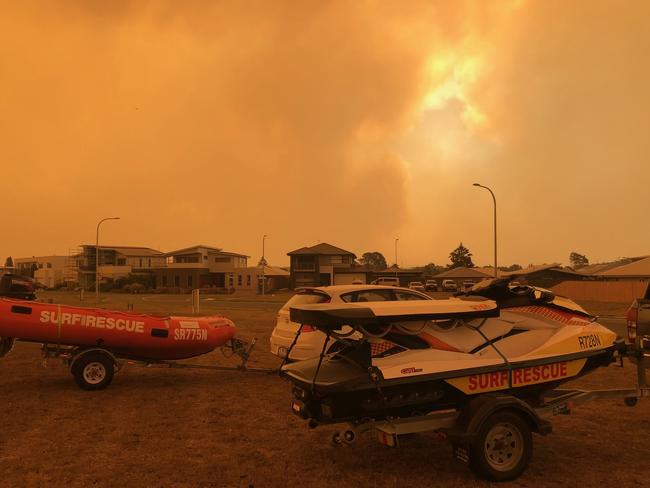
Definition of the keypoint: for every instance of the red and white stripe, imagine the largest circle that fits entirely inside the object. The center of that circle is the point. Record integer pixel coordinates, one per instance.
(376, 348)
(549, 313)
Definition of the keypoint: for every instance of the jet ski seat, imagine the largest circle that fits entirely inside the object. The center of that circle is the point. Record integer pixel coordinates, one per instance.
(466, 337)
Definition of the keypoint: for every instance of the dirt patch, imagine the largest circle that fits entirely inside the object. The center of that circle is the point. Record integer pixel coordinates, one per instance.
(194, 428)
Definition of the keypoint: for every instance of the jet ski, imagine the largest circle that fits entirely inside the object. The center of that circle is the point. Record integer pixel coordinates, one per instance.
(418, 357)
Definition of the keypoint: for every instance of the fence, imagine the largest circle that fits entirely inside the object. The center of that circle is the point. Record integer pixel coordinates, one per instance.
(602, 291)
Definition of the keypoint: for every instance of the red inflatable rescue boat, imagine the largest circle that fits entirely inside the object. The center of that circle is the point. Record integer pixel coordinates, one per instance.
(128, 335)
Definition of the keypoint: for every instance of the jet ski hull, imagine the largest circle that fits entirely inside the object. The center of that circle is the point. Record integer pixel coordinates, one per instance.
(343, 391)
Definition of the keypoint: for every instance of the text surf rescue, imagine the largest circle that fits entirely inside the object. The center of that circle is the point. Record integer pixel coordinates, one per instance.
(98, 322)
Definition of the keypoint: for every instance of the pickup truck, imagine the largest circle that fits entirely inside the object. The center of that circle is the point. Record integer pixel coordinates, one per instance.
(638, 319)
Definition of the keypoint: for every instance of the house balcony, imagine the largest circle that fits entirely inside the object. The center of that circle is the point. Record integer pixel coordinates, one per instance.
(186, 265)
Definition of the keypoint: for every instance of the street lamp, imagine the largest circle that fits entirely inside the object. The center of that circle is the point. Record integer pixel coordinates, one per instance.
(396, 239)
(495, 225)
(263, 263)
(97, 256)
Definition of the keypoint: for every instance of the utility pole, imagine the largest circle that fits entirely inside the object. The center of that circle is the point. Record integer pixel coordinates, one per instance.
(97, 256)
(263, 263)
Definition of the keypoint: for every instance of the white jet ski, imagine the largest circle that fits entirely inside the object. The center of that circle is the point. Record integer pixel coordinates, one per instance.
(416, 357)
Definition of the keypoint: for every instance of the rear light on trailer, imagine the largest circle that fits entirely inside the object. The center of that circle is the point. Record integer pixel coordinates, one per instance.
(632, 316)
(307, 328)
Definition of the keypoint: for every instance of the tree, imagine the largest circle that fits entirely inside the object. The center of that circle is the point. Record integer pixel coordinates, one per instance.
(373, 260)
(460, 257)
(9, 262)
(432, 269)
(578, 260)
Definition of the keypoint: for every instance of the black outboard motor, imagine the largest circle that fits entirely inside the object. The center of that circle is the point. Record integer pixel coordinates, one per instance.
(17, 286)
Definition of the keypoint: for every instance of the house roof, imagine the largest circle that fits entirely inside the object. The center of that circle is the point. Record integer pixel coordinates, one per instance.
(323, 249)
(128, 250)
(392, 270)
(272, 270)
(236, 254)
(541, 267)
(600, 268)
(489, 270)
(193, 249)
(593, 269)
(640, 268)
(463, 272)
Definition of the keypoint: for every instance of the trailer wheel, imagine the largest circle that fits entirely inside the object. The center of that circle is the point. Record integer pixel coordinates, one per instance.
(503, 447)
(93, 370)
(631, 401)
(6, 345)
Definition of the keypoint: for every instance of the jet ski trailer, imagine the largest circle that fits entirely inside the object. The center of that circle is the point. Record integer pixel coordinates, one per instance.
(481, 371)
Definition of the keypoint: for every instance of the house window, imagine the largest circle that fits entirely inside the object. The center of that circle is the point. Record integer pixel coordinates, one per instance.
(164, 280)
(221, 260)
(189, 281)
(49, 265)
(150, 262)
(140, 263)
(231, 280)
(121, 261)
(336, 260)
(305, 263)
(177, 280)
(239, 279)
(248, 280)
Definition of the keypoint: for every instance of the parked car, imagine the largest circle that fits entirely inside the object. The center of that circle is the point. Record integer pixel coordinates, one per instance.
(431, 285)
(638, 320)
(310, 341)
(416, 285)
(387, 281)
(449, 285)
(17, 286)
(467, 284)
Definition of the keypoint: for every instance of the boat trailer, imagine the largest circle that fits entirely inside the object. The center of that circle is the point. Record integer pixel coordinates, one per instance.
(492, 433)
(73, 356)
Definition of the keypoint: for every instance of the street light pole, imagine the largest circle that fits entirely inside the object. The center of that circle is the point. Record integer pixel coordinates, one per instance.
(97, 256)
(494, 200)
(263, 261)
(396, 239)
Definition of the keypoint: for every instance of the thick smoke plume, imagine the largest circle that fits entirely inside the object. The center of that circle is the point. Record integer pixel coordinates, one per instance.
(346, 122)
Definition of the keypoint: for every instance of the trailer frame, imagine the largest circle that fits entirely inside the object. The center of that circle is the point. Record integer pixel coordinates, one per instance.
(464, 427)
(74, 355)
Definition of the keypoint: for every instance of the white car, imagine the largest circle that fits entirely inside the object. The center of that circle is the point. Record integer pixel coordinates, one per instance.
(449, 285)
(310, 342)
(416, 285)
(387, 281)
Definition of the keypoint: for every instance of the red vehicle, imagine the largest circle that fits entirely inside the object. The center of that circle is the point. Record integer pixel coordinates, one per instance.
(17, 286)
(91, 340)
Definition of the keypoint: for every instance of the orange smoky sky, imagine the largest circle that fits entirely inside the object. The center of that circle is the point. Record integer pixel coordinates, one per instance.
(346, 122)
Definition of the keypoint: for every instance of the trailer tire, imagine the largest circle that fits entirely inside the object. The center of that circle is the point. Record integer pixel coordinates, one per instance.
(6, 345)
(93, 370)
(631, 401)
(502, 448)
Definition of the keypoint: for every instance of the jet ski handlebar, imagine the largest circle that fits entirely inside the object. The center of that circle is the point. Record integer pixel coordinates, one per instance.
(333, 316)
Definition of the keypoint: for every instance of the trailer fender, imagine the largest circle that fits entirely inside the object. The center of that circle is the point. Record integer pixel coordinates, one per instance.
(6, 345)
(82, 352)
(479, 409)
